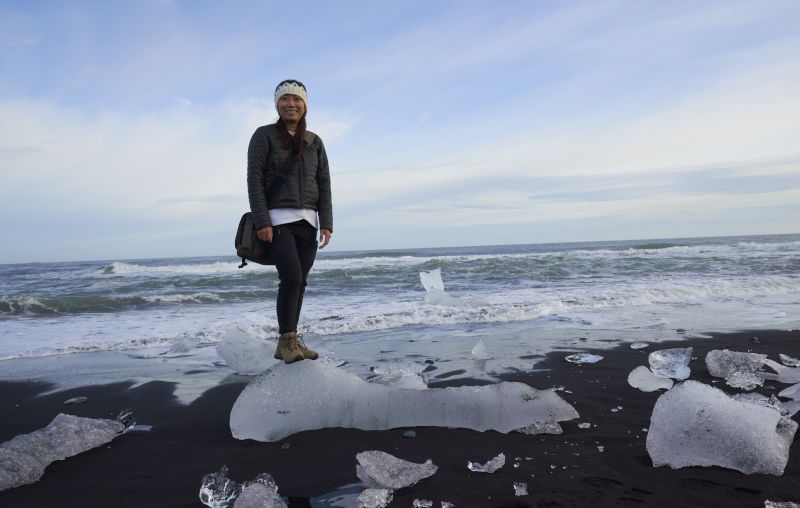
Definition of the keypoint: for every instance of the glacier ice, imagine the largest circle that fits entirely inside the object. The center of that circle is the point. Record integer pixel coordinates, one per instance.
(479, 351)
(642, 378)
(520, 489)
(490, 466)
(219, 491)
(789, 361)
(639, 345)
(672, 363)
(244, 353)
(793, 392)
(380, 470)
(786, 409)
(780, 504)
(536, 428)
(784, 374)
(400, 376)
(24, 458)
(583, 358)
(740, 370)
(375, 498)
(434, 289)
(422, 503)
(287, 399)
(694, 424)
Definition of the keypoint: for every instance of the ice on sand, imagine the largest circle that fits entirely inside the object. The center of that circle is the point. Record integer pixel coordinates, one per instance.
(672, 363)
(489, 467)
(789, 361)
(694, 424)
(643, 378)
(583, 358)
(219, 491)
(311, 395)
(375, 498)
(24, 458)
(780, 504)
(784, 374)
(520, 489)
(244, 353)
(434, 289)
(479, 351)
(400, 376)
(786, 409)
(740, 370)
(536, 428)
(639, 345)
(380, 470)
(793, 392)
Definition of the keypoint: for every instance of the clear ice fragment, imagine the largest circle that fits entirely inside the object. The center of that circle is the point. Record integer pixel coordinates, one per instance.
(643, 378)
(536, 428)
(479, 351)
(780, 504)
(24, 458)
(520, 489)
(76, 400)
(434, 289)
(287, 399)
(789, 361)
(380, 470)
(784, 374)
(672, 363)
(489, 467)
(375, 498)
(584, 425)
(422, 503)
(639, 345)
(793, 392)
(259, 494)
(583, 358)
(219, 491)
(446, 504)
(694, 424)
(740, 370)
(244, 353)
(407, 377)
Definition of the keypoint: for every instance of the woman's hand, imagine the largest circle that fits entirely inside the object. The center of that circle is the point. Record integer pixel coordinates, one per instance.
(265, 234)
(324, 237)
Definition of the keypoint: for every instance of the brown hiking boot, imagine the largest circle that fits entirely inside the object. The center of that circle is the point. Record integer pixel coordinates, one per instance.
(288, 348)
(308, 354)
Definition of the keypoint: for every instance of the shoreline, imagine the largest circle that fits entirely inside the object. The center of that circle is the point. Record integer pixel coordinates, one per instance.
(164, 467)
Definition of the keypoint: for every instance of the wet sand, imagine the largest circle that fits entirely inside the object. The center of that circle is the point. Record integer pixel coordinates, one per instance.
(164, 467)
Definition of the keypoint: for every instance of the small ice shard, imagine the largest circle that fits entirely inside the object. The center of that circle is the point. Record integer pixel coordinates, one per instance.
(583, 358)
(639, 345)
(780, 504)
(584, 425)
(479, 351)
(784, 374)
(219, 491)
(422, 503)
(76, 400)
(258, 494)
(520, 489)
(381, 470)
(536, 428)
(789, 361)
(740, 370)
(489, 467)
(793, 392)
(24, 458)
(694, 424)
(446, 504)
(180, 348)
(375, 498)
(672, 363)
(244, 353)
(400, 377)
(287, 399)
(434, 289)
(643, 378)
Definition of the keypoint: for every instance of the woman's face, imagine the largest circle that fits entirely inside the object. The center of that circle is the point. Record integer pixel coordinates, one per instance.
(291, 108)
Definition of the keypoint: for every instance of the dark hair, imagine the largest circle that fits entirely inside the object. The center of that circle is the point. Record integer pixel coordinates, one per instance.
(293, 143)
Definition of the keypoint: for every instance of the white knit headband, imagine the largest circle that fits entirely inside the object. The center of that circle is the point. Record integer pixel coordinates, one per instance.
(293, 88)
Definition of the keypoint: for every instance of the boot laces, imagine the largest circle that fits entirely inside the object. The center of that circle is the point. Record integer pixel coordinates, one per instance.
(293, 343)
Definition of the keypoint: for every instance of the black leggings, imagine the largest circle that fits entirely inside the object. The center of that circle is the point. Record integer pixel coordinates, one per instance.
(294, 247)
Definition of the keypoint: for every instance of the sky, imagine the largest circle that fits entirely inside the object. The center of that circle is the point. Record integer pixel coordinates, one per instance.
(124, 125)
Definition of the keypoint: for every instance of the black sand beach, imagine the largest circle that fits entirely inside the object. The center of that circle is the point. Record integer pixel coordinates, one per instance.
(164, 467)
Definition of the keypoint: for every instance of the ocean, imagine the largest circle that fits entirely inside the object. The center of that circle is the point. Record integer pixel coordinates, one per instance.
(363, 307)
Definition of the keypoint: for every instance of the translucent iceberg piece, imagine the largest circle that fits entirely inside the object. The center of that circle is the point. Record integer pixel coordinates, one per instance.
(259, 495)
(400, 377)
(784, 374)
(536, 428)
(381, 470)
(583, 358)
(786, 409)
(434, 289)
(789, 361)
(244, 353)
(219, 491)
(672, 363)
(639, 345)
(489, 467)
(422, 503)
(740, 370)
(520, 489)
(375, 498)
(642, 378)
(780, 504)
(479, 351)
(446, 504)
(793, 392)
(311, 395)
(24, 458)
(694, 424)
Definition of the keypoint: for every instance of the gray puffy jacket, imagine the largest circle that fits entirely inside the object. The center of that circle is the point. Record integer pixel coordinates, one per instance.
(307, 183)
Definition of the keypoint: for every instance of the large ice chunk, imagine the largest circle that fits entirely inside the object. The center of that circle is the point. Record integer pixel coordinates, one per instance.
(24, 458)
(380, 470)
(312, 395)
(694, 424)
(642, 378)
(784, 374)
(479, 351)
(583, 358)
(434, 289)
(793, 392)
(672, 363)
(789, 361)
(490, 466)
(740, 370)
(219, 491)
(244, 353)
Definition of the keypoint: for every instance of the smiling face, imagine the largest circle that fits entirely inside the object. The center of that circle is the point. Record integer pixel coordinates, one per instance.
(291, 108)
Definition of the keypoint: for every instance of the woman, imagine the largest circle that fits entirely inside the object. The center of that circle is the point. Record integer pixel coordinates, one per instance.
(289, 187)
